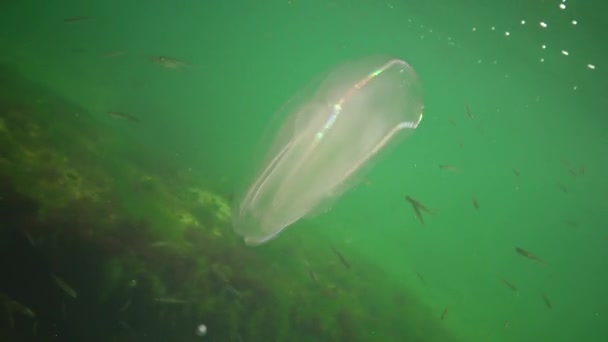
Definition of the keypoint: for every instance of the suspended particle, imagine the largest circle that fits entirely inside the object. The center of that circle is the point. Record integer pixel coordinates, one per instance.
(201, 330)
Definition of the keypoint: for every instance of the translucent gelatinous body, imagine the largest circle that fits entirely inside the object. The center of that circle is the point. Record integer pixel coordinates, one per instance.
(326, 138)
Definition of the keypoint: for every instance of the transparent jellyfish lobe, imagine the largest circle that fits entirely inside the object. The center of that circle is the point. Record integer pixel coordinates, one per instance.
(327, 137)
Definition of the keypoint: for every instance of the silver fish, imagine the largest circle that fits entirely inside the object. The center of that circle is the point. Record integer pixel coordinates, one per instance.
(124, 116)
(169, 300)
(170, 63)
(65, 287)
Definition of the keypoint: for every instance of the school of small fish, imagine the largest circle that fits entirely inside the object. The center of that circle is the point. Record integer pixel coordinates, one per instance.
(418, 209)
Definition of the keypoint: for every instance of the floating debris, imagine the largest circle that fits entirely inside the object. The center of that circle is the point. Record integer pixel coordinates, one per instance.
(201, 330)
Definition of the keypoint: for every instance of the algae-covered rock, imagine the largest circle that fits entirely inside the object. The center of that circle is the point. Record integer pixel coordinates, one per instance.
(186, 218)
(215, 203)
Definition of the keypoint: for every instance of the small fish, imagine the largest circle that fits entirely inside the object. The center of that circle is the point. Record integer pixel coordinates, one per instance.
(113, 54)
(505, 324)
(12, 305)
(475, 202)
(125, 306)
(515, 172)
(445, 313)
(160, 244)
(341, 257)
(168, 300)
(469, 112)
(71, 20)
(218, 271)
(65, 287)
(571, 168)
(562, 187)
(421, 278)
(583, 171)
(510, 285)
(170, 63)
(29, 238)
(9, 306)
(417, 208)
(449, 168)
(236, 293)
(78, 50)
(127, 327)
(124, 116)
(528, 255)
(313, 276)
(547, 302)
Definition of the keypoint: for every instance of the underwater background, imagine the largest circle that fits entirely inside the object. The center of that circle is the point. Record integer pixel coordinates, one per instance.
(128, 127)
